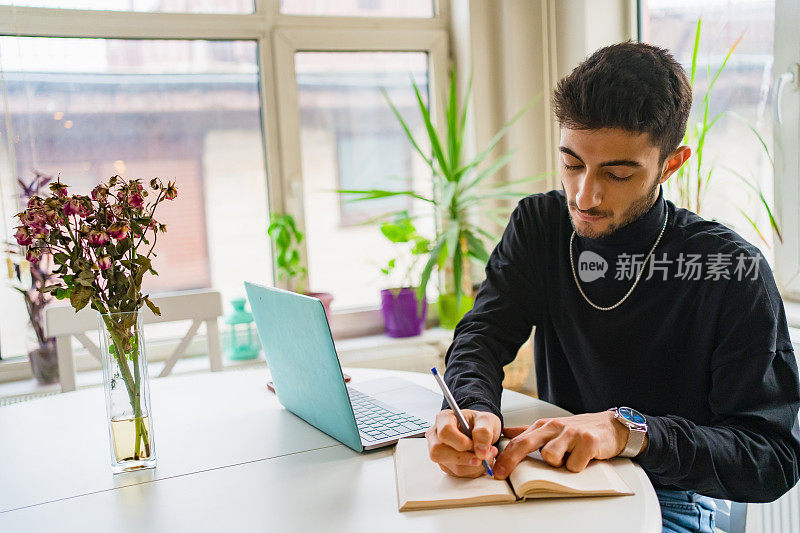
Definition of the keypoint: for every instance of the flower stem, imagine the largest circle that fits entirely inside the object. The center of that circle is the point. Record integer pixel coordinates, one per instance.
(118, 334)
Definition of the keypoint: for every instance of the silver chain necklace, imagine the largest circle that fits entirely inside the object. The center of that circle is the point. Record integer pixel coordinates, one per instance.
(638, 276)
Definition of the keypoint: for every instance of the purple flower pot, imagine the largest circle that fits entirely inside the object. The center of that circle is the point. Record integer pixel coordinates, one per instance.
(401, 313)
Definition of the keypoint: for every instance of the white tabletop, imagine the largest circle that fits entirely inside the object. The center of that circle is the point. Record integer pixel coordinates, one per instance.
(229, 456)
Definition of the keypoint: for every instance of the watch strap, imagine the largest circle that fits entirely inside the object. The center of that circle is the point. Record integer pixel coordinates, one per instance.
(635, 443)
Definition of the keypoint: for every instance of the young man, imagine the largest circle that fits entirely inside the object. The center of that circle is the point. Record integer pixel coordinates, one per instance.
(638, 305)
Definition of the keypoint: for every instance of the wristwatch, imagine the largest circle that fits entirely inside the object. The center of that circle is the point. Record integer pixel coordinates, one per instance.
(637, 429)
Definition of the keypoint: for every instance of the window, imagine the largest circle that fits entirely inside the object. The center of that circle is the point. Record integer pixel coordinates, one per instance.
(160, 6)
(351, 139)
(359, 8)
(229, 107)
(742, 91)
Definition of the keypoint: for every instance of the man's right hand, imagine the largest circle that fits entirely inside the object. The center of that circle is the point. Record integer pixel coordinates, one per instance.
(454, 452)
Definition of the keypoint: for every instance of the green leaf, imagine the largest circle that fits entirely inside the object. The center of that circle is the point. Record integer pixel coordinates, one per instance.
(463, 120)
(62, 293)
(476, 247)
(80, 296)
(478, 159)
(407, 130)
(452, 122)
(458, 266)
(156, 311)
(428, 268)
(695, 49)
(488, 171)
(452, 234)
(131, 292)
(758, 135)
(773, 223)
(421, 246)
(434, 137)
(400, 231)
(48, 289)
(142, 260)
(372, 194)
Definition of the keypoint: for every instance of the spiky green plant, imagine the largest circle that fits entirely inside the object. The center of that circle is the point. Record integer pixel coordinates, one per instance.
(691, 181)
(456, 193)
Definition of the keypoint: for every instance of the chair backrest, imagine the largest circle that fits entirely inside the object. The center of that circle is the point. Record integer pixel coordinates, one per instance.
(731, 517)
(199, 306)
(189, 305)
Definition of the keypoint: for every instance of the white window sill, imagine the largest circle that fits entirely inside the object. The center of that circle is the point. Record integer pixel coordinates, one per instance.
(373, 351)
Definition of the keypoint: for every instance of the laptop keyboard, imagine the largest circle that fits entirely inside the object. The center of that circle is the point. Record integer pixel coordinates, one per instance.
(378, 421)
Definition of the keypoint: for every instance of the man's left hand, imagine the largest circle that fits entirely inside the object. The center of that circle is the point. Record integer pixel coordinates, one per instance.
(572, 441)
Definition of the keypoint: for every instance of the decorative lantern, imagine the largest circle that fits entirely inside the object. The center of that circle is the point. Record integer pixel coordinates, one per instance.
(241, 345)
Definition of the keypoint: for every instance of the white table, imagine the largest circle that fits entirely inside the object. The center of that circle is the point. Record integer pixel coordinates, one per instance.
(230, 458)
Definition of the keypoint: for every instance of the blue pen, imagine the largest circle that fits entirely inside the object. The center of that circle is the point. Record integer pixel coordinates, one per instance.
(459, 415)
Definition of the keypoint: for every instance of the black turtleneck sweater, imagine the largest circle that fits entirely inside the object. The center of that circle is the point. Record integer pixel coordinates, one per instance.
(708, 361)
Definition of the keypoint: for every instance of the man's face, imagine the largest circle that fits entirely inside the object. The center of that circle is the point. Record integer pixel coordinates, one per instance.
(611, 177)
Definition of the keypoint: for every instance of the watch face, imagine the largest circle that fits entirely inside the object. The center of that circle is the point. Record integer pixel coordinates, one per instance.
(632, 415)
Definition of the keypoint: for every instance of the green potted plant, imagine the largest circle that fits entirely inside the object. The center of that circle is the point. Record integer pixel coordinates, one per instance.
(458, 193)
(403, 313)
(691, 181)
(287, 238)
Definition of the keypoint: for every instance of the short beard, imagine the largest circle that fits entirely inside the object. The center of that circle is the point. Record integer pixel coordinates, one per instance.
(636, 210)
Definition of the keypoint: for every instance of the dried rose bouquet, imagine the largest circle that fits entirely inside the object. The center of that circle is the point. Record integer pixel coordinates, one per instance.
(102, 246)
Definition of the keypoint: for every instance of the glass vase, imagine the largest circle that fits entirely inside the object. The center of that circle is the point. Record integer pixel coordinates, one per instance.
(127, 391)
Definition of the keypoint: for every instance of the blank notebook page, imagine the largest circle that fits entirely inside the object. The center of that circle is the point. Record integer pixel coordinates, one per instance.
(422, 484)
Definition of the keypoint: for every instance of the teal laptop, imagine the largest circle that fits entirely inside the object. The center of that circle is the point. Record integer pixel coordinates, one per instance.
(308, 379)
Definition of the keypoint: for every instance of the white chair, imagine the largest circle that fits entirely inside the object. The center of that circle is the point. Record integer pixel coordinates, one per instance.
(199, 306)
(731, 517)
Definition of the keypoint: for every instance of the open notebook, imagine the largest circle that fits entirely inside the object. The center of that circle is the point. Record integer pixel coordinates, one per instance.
(421, 484)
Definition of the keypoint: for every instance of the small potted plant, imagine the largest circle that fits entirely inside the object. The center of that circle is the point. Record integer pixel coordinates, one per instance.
(403, 313)
(287, 238)
(32, 273)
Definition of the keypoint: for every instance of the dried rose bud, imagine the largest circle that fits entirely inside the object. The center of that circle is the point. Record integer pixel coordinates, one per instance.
(23, 236)
(59, 189)
(98, 238)
(104, 263)
(119, 230)
(100, 193)
(154, 184)
(84, 210)
(33, 255)
(71, 207)
(33, 219)
(40, 233)
(135, 200)
(171, 191)
(34, 202)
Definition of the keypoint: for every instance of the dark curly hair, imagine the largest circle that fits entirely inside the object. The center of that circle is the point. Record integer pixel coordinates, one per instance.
(634, 86)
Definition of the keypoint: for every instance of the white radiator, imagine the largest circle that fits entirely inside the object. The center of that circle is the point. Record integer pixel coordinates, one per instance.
(780, 516)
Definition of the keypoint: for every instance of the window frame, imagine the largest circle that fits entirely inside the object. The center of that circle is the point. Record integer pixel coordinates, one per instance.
(278, 36)
(786, 141)
(786, 145)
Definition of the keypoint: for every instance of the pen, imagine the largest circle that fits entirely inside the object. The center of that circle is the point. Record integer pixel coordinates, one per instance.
(459, 415)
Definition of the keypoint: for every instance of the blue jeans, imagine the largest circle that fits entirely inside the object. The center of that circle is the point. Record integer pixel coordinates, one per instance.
(686, 511)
